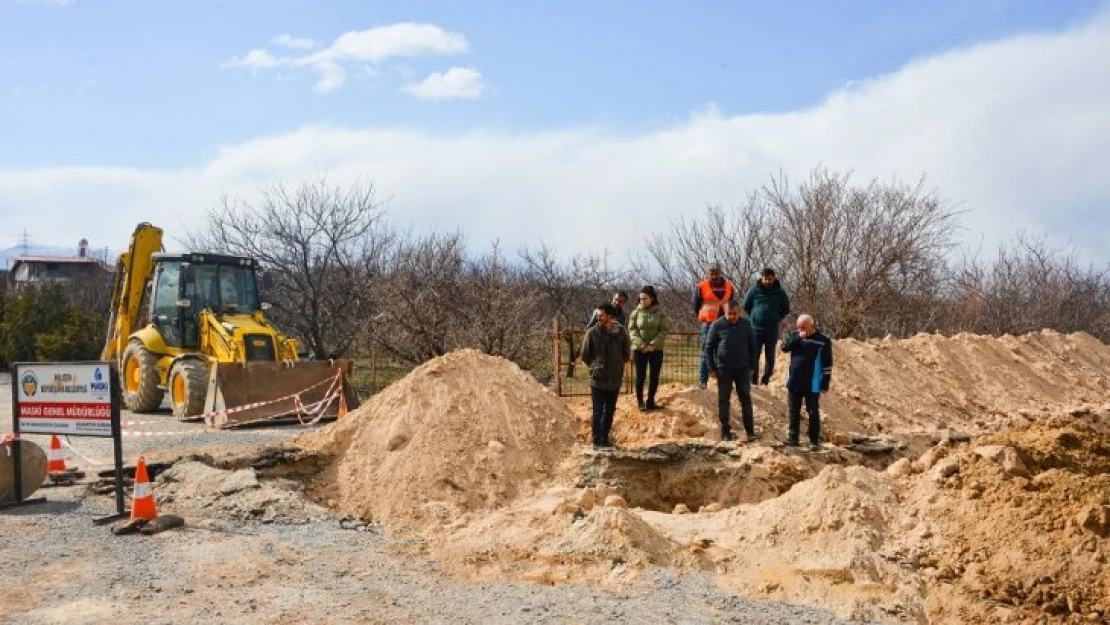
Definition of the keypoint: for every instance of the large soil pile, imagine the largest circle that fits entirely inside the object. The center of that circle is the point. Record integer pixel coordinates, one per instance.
(460, 433)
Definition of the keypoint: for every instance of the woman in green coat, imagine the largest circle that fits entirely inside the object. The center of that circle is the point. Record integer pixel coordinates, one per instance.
(647, 327)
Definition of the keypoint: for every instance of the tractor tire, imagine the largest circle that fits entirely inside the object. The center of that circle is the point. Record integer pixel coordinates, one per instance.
(188, 387)
(139, 379)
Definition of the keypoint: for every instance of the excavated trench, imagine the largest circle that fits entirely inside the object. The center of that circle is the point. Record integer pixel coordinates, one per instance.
(698, 474)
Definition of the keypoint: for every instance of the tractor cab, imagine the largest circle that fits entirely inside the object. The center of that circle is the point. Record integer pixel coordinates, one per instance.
(184, 285)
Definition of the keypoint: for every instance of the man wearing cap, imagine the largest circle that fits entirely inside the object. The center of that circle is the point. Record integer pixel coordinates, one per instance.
(708, 301)
(766, 304)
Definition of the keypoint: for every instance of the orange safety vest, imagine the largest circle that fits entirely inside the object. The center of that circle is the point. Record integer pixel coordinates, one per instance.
(710, 305)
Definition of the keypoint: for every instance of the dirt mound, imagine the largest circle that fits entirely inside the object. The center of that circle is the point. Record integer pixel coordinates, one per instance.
(612, 533)
(463, 432)
(1016, 524)
(196, 490)
(969, 382)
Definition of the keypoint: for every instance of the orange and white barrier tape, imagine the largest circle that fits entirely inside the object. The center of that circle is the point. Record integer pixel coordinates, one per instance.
(208, 416)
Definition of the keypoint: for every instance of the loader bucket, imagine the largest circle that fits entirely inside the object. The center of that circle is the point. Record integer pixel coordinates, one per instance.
(268, 391)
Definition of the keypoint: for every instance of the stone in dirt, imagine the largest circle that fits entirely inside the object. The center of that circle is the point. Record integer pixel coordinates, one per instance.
(32, 470)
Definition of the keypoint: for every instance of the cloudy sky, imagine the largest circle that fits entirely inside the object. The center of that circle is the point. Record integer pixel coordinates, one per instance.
(586, 125)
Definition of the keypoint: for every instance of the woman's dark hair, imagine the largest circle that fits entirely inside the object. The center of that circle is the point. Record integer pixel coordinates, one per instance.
(650, 292)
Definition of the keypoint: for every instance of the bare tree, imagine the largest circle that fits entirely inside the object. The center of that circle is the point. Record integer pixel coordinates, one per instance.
(740, 240)
(571, 287)
(1029, 285)
(324, 246)
(420, 298)
(504, 309)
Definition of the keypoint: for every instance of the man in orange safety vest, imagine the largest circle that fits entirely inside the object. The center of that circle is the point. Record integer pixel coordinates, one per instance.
(708, 300)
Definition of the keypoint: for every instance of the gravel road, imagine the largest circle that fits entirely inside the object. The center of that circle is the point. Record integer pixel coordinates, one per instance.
(59, 567)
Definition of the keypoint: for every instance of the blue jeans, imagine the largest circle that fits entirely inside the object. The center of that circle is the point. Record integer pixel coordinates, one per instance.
(703, 371)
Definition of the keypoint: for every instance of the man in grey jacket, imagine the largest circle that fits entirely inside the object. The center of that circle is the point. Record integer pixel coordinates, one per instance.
(606, 349)
(730, 349)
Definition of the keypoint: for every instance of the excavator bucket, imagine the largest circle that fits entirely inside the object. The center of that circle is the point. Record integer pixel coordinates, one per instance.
(254, 392)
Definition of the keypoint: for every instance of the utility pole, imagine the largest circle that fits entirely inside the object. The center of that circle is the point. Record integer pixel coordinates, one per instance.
(25, 242)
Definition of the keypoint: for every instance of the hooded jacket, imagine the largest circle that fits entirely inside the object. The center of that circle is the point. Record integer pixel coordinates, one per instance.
(766, 307)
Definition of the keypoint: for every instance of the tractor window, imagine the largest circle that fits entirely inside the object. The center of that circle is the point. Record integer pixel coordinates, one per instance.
(223, 289)
(164, 305)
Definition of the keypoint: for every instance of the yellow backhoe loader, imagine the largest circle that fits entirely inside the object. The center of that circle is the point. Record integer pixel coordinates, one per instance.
(192, 325)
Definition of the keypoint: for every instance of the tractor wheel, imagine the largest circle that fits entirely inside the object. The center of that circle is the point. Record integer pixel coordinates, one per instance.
(140, 379)
(188, 387)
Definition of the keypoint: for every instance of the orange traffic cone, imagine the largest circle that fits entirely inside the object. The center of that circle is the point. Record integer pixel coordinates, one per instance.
(142, 499)
(342, 402)
(56, 457)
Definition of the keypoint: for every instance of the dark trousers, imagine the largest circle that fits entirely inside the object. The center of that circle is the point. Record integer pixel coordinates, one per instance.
(813, 408)
(727, 378)
(766, 342)
(650, 363)
(605, 405)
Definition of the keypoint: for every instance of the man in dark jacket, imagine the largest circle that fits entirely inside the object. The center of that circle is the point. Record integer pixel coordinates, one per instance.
(730, 349)
(605, 350)
(811, 362)
(766, 304)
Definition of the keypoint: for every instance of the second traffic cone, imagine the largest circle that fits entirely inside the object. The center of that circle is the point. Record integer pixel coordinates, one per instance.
(56, 457)
(142, 499)
(342, 402)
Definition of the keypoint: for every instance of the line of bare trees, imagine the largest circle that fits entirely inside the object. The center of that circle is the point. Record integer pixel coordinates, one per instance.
(867, 259)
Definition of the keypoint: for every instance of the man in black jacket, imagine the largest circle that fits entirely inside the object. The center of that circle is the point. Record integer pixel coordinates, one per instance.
(730, 350)
(605, 350)
(811, 362)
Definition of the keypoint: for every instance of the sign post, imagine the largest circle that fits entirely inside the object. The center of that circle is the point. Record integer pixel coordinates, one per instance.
(71, 399)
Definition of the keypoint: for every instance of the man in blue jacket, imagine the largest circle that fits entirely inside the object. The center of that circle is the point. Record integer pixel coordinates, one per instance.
(766, 304)
(730, 350)
(811, 362)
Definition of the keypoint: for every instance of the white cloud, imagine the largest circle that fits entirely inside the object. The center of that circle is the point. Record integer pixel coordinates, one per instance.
(372, 45)
(255, 59)
(457, 82)
(1015, 131)
(407, 39)
(295, 43)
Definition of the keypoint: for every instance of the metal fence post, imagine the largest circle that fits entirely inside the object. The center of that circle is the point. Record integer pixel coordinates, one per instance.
(558, 351)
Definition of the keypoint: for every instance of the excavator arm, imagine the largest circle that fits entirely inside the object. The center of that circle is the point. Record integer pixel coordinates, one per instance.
(133, 271)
